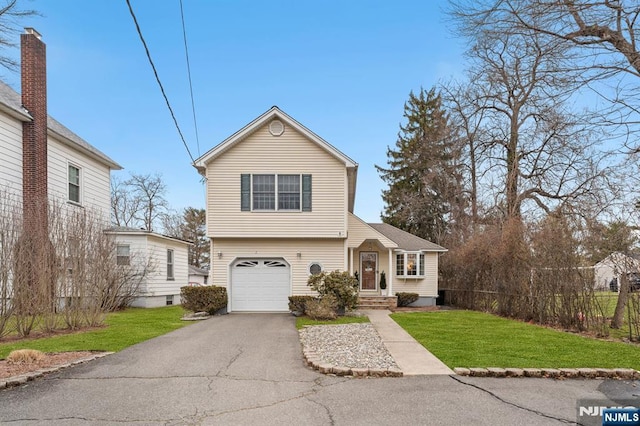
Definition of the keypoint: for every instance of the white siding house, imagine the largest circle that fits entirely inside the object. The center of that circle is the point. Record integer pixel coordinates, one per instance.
(280, 205)
(168, 263)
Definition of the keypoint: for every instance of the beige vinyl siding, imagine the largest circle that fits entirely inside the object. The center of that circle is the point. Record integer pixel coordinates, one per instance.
(95, 184)
(328, 252)
(262, 153)
(359, 231)
(11, 154)
(427, 286)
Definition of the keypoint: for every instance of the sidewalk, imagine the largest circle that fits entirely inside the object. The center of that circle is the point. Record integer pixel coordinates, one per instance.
(412, 358)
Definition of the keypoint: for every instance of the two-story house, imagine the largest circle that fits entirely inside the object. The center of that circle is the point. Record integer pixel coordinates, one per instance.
(280, 203)
(42, 162)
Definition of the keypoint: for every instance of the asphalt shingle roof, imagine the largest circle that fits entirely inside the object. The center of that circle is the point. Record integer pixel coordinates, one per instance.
(405, 240)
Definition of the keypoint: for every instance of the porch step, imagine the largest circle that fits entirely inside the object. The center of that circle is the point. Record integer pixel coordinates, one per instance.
(377, 302)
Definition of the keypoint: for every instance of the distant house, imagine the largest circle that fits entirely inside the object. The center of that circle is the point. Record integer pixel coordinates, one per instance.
(280, 207)
(167, 258)
(198, 276)
(612, 268)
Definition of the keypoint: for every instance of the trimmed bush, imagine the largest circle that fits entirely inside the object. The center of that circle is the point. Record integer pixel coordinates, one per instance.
(208, 299)
(298, 303)
(405, 299)
(323, 309)
(338, 284)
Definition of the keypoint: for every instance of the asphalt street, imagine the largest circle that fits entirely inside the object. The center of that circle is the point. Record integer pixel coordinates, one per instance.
(243, 369)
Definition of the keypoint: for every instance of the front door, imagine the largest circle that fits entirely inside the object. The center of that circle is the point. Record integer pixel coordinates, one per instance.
(368, 266)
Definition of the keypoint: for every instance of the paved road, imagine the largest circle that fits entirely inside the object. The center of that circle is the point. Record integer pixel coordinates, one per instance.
(247, 369)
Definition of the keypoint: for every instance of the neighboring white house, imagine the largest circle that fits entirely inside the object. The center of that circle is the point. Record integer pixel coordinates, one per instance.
(279, 207)
(612, 267)
(198, 276)
(168, 262)
(77, 174)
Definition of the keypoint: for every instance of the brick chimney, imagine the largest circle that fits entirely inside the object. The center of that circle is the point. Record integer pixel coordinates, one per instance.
(34, 133)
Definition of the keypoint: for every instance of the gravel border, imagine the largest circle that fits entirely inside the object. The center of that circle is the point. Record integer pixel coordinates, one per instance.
(27, 377)
(552, 373)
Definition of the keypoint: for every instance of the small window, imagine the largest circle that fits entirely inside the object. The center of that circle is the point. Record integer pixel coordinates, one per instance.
(122, 255)
(74, 184)
(170, 264)
(264, 192)
(170, 300)
(315, 268)
(400, 264)
(288, 192)
(410, 265)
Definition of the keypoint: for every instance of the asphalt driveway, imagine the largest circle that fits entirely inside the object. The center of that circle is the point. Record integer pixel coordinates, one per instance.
(248, 369)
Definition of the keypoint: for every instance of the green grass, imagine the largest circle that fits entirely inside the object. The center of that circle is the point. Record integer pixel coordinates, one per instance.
(123, 329)
(475, 339)
(302, 321)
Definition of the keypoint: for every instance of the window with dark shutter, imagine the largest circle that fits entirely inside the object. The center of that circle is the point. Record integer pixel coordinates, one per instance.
(306, 193)
(245, 192)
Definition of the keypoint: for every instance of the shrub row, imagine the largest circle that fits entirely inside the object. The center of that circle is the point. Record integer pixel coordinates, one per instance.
(208, 299)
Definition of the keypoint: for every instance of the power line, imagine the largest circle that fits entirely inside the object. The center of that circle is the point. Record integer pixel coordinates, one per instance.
(186, 52)
(155, 72)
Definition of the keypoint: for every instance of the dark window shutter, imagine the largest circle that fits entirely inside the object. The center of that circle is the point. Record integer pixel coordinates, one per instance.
(306, 193)
(245, 192)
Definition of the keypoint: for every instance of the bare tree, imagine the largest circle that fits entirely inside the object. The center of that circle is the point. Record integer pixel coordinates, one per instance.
(10, 16)
(139, 201)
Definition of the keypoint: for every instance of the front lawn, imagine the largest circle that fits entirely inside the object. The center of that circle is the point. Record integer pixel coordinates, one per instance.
(123, 329)
(476, 339)
(302, 321)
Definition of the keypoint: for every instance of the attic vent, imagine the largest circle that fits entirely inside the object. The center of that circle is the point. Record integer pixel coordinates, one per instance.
(276, 128)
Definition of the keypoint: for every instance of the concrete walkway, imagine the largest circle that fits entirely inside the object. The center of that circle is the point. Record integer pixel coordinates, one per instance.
(412, 358)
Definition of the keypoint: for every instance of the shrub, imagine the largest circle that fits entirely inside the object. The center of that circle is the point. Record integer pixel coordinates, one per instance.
(24, 356)
(340, 285)
(405, 299)
(298, 303)
(323, 309)
(208, 299)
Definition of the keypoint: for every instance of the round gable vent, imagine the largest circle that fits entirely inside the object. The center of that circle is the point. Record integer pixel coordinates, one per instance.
(276, 128)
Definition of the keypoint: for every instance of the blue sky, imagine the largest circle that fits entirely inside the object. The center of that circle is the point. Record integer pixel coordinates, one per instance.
(342, 68)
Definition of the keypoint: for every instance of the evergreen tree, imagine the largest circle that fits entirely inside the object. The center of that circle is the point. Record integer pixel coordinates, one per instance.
(423, 176)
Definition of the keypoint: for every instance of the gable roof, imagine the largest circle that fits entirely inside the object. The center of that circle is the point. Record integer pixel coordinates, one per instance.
(11, 103)
(274, 112)
(405, 240)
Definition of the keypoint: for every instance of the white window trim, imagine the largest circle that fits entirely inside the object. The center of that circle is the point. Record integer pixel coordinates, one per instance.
(128, 254)
(418, 254)
(80, 179)
(276, 209)
(314, 263)
(171, 277)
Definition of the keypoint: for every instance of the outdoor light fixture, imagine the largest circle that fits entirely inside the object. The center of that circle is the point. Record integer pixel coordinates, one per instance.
(219, 255)
(299, 255)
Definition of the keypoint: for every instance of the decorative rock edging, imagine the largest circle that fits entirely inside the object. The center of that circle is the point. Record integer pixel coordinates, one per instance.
(554, 373)
(313, 360)
(27, 377)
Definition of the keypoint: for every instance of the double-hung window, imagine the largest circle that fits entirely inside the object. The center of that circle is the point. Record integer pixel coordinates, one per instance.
(170, 265)
(74, 184)
(410, 265)
(123, 257)
(274, 192)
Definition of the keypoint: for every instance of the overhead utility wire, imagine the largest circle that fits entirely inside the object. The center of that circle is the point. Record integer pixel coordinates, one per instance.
(155, 72)
(186, 52)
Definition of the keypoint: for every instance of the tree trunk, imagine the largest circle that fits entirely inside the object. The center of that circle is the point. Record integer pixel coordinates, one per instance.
(623, 296)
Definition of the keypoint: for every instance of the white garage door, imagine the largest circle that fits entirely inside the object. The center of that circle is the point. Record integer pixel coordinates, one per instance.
(260, 285)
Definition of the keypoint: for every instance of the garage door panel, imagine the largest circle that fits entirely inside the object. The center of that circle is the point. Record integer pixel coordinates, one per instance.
(260, 285)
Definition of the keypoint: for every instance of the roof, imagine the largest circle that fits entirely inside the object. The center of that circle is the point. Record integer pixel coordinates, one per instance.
(406, 240)
(126, 230)
(270, 114)
(11, 103)
(193, 270)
